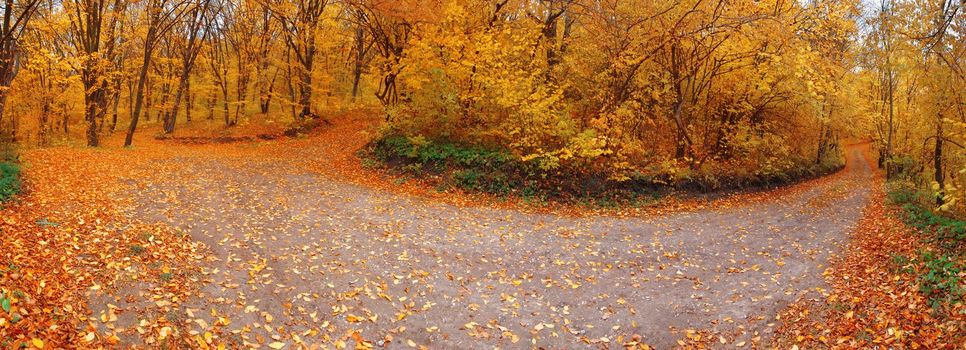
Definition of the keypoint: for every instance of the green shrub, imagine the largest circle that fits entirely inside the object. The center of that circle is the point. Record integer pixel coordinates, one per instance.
(938, 276)
(948, 233)
(467, 179)
(941, 282)
(390, 147)
(435, 152)
(471, 167)
(9, 180)
(903, 167)
(902, 194)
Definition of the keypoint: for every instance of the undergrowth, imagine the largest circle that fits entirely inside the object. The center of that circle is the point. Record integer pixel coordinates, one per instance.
(939, 269)
(470, 168)
(498, 172)
(9, 173)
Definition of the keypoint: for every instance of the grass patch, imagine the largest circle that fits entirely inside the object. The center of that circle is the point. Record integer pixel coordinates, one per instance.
(166, 276)
(9, 180)
(136, 250)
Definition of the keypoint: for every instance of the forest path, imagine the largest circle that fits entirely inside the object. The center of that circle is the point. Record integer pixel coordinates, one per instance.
(299, 257)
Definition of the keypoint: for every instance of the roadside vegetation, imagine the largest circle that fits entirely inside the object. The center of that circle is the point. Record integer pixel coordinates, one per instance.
(939, 265)
(496, 171)
(9, 173)
(9, 180)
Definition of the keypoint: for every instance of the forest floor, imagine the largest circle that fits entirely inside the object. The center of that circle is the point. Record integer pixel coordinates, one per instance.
(291, 242)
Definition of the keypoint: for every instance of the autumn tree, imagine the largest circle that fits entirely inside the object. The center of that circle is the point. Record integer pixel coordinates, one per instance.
(300, 21)
(94, 50)
(161, 15)
(913, 57)
(48, 68)
(194, 31)
(388, 26)
(882, 41)
(216, 56)
(16, 17)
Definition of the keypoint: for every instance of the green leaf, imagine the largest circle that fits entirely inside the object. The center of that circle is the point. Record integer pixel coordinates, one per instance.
(45, 223)
(5, 303)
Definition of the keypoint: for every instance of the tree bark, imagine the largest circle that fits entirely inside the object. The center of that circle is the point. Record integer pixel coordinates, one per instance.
(939, 176)
(169, 122)
(305, 85)
(357, 67)
(138, 98)
(224, 93)
(188, 102)
(142, 76)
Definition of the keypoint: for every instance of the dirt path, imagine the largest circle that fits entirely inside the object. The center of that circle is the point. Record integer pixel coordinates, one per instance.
(301, 258)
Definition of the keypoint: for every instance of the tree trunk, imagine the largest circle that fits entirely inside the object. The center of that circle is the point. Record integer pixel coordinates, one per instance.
(265, 93)
(94, 93)
(42, 135)
(211, 107)
(289, 78)
(178, 96)
(90, 115)
(9, 57)
(305, 97)
(188, 102)
(357, 67)
(888, 151)
(3, 104)
(117, 101)
(264, 103)
(241, 88)
(825, 138)
(938, 161)
(139, 95)
(224, 93)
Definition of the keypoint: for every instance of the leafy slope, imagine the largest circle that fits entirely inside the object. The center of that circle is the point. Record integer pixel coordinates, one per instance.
(68, 240)
(872, 301)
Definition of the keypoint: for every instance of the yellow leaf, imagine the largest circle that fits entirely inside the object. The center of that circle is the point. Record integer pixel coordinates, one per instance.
(276, 345)
(201, 343)
(37, 343)
(164, 332)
